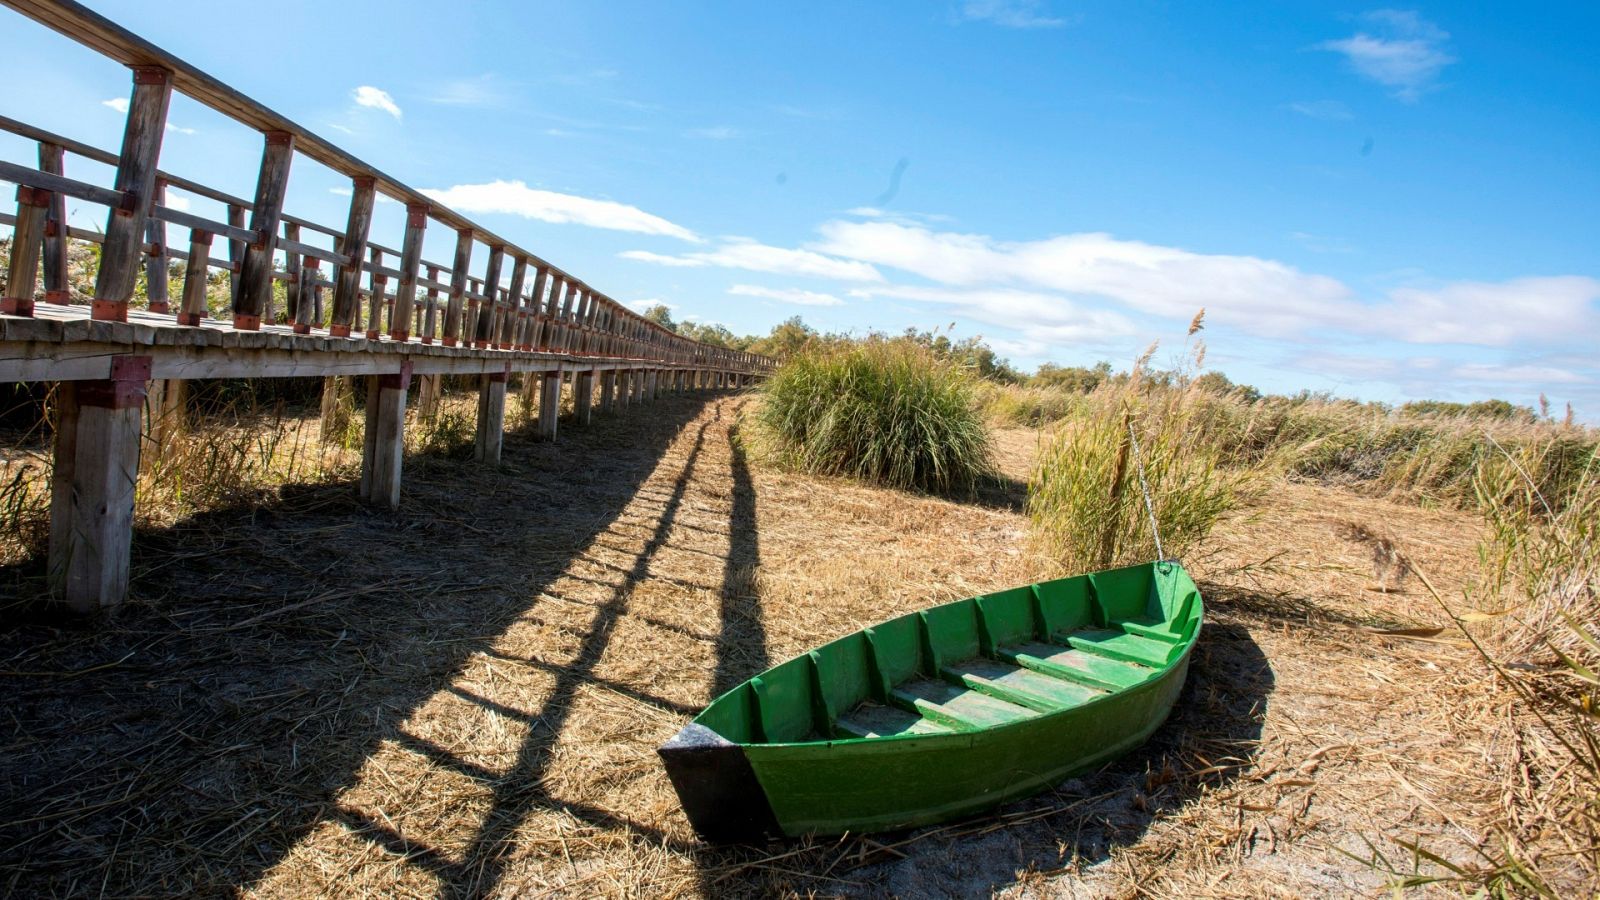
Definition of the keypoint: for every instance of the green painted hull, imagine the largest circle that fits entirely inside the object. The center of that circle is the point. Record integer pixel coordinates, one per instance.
(942, 713)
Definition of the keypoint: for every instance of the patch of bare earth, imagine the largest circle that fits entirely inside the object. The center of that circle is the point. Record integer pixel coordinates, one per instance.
(463, 698)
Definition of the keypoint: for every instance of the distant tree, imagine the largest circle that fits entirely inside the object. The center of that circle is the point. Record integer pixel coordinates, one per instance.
(1485, 409)
(1077, 379)
(661, 315)
(786, 339)
(1217, 383)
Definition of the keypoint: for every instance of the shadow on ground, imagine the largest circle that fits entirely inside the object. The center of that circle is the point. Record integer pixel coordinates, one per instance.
(1210, 740)
(186, 744)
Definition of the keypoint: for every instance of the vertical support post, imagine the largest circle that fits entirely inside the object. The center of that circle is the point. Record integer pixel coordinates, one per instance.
(255, 270)
(505, 334)
(491, 416)
(155, 264)
(91, 504)
(624, 388)
(376, 298)
(639, 376)
(334, 413)
(608, 391)
(405, 293)
(136, 178)
(430, 394)
(430, 308)
(302, 288)
(291, 266)
(549, 405)
(583, 395)
(52, 159)
(483, 322)
(458, 287)
(195, 274)
(347, 293)
(383, 449)
(27, 242)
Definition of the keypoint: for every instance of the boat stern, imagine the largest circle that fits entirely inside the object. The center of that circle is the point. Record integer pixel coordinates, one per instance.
(717, 787)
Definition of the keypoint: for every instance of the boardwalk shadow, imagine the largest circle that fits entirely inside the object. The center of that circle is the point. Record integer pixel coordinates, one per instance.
(1211, 739)
(189, 743)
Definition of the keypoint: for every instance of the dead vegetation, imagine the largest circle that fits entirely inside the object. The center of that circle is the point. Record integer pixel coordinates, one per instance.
(307, 697)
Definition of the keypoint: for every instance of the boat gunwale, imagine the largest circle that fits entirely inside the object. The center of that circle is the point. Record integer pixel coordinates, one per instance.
(1161, 674)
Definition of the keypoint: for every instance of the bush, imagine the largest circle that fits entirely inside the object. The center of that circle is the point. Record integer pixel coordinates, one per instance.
(885, 411)
(1011, 404)
(1084, 497)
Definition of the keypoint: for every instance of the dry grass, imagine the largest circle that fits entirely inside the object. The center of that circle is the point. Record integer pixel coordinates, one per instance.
(310, 698)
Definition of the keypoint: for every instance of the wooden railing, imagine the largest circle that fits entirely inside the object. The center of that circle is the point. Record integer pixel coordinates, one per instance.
(381, 312)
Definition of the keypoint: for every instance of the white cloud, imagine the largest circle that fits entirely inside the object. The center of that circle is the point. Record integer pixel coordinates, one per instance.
(484, 90)
(646, 303)
(1327, 110)
(175, 201)
(375, 98)
(120, 104)
(1518, 374)
(516, 198)
(742, 253)
(1046, 320)
(1009, 13)
(1258, 296)
(1402, 52)
(786, 295)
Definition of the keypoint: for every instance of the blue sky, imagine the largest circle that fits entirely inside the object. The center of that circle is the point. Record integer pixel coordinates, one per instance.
(1384, 203)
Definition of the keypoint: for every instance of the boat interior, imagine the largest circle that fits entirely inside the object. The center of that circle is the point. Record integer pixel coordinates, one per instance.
(973, 664)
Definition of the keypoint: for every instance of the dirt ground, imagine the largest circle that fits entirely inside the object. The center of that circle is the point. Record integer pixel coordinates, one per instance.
(462, 698)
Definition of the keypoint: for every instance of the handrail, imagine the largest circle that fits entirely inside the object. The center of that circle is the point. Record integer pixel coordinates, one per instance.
(590, 312)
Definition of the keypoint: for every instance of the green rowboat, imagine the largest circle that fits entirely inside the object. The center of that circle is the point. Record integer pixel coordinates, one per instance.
(941, 713)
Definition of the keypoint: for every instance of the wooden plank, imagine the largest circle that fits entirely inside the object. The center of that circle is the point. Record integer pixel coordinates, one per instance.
(383, 449)
(483, 319)
(255, 271)
(458, 287)
(155, 262)
(491, 418)
(608, 391)
(549, 405)
(347, 293)
(136, 177)
(430, 318)
(505, 335)
(235, 233)
(195, 274)
(25, 176)
(583, 395)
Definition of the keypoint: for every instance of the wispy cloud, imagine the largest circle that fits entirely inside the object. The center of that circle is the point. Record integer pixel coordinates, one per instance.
(516, 198)
(1400, 50)
(120, 104)
(739, 253)
(1009, 13)
(786, 295)
(1258, 296)
(715, 133)
(1327, 110)
(375, 98)
(1321, 243)
(485, 90)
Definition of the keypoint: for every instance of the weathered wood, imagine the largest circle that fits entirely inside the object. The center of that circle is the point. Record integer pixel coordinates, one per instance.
(195, 274)
(608, 391)
(155, 262)
(347, 293)
(255, 271)
(550, 405)
(136, 176)
(583, 395)
(505, 330)
(383, 447)
(430, 310)
(96, 466)
(375, 301)
(430, 396)
(491, 417)
(337, 400)
(410, 258)
(458, 287)
(303, 288)
(52, 159)
(166, 410)
(483, 324)
(238, 238)
(27, 243)
(291, 268)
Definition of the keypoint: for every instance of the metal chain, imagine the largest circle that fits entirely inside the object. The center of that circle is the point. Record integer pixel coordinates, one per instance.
(1144, 487)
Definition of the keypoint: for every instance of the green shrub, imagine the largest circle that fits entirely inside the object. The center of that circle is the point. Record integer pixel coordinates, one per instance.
(1084, 497)
(885, 411)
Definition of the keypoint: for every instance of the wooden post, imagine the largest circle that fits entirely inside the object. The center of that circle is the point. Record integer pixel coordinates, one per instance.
(550, 405)
(255, 270)
(167, 408)
(491, 416)
(136, 178)
(505, 334)
(27, 242)
(347, 292)
(608, 391)
(638, 385)
(483, 324)
(583, 395)
(52, 158)
(303, 290)
(384, 446)
(336, 389)
(430, 394)
(155, 264)
(405, 293)
(91, 504)
(376, 299)
(624, 389)
(291, 267)
(195, 274)
(458, 287)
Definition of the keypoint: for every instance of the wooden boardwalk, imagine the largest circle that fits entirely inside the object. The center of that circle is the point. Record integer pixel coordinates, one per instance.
(354, 307)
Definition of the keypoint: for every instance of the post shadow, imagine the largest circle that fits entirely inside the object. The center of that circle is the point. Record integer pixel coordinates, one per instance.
(188, 743)
(742, 639)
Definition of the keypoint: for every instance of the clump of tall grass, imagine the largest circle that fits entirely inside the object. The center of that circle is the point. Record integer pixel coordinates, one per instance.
(886, 411)
(1028, 405)
(1085, 496)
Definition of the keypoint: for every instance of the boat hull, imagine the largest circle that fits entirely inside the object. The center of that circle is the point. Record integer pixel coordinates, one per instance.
(943, 713)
